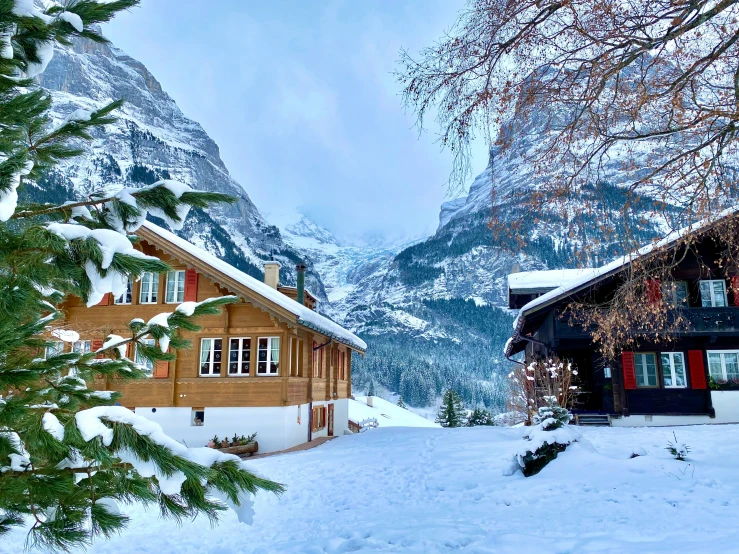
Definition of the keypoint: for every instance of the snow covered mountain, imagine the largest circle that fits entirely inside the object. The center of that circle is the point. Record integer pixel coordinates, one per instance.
(153, 139)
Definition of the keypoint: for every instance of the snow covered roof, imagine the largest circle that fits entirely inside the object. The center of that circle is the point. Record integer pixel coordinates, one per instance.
(600, 273)
(548, 279)
(303, 315)
(386, 413)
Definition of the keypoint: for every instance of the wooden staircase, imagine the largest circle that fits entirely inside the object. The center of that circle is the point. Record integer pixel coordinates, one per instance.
(593, 420)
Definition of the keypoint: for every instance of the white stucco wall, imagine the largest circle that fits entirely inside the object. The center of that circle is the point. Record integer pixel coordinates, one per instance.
(660, 421)
(341, 416)
(726, 404)
(277, 428)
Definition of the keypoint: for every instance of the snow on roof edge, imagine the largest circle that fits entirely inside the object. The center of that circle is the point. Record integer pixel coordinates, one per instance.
(604, 271)
(305, 316)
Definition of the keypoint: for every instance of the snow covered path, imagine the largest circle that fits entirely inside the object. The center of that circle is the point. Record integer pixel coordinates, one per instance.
(443, 490)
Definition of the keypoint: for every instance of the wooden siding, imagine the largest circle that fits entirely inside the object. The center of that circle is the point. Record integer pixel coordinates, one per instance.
(183, 385)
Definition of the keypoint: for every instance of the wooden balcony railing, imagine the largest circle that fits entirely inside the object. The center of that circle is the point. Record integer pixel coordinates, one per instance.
(699, 320)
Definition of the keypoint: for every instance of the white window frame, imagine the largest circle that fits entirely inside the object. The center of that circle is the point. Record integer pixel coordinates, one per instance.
(646, 375)
(670, 367)
(87, 348)
(178, 290)
(669, 291)
(152, 297)
(722, 353)
(143, 362)
(126, 298)
(713, 293)
(240, 351)
(59, 344)
(269, 372)
(211, 361)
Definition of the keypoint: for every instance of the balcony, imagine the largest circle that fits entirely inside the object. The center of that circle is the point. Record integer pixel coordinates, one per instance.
(708, 321)
(713, 320)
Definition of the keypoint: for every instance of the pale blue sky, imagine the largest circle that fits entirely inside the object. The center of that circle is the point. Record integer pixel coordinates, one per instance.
(300, 98)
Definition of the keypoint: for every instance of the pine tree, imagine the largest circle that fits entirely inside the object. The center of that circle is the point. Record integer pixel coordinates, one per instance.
(371, 390)
(480, 416)
(68, 454)
(401, 404)
(451, 412)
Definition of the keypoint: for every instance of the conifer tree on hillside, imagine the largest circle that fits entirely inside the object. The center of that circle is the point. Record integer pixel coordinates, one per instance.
(480, 416)
(451, 412)
(69, 457)
(401, 404)
(371, 390)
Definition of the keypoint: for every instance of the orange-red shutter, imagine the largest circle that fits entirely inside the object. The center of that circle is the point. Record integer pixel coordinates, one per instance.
(191, 285)
(129, 350)
(654, 291)
(629, 370)
(106, 300)
(96, 345)
(697, 369)
(161, 370)
(735, 289)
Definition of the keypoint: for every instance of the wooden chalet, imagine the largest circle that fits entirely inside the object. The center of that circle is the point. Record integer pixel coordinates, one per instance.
(267, 364)
(693, 378)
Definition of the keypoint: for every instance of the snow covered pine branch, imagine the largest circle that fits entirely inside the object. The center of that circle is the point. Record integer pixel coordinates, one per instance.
(70, 458)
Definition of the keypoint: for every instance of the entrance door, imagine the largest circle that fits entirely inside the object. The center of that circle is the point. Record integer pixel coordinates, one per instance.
(330, 420)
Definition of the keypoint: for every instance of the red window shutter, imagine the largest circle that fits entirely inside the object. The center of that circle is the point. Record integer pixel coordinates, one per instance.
(106, 300)
(191, 285)
(629, 370)
(129, 350)
(735, 289)
(654, 291)
(697, 369)
(96, 345)
(161, 370)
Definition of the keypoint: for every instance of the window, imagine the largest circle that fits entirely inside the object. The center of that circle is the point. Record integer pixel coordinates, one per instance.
(149, 288)
(197, 417)
(142, 361)
(81, 346)
(268, 360)
(675, 293)
(723, 365)
(54, 348)
(296, 357)
(342, 366)
(319, 418)
(646, 369)
(673, 370)
(175, 287)
(239, 356)
(713, 294)
(210, 357)
(126, 297)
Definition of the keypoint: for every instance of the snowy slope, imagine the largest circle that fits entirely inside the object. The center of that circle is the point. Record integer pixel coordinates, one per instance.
(431, 491)
(154, 139)
(386, 413)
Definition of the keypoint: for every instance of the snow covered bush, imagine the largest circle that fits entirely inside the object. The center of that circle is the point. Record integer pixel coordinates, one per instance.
(678, 449)
(533, 383)
(69, 457)
(550, 435)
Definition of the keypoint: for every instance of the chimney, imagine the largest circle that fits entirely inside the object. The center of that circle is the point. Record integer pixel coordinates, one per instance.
(300, 268)
(272, 273)
(370, 402)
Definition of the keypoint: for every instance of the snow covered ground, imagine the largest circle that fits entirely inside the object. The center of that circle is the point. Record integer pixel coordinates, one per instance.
(444, 490)
(386, 413)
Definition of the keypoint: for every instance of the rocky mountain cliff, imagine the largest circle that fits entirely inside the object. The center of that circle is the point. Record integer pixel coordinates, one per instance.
(153, 139)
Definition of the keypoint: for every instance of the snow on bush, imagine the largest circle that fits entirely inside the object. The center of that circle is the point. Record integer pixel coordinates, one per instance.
(550, 435)
(678, 449)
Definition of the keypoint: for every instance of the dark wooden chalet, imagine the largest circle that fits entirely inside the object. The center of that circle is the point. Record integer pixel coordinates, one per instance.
(692, 378)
